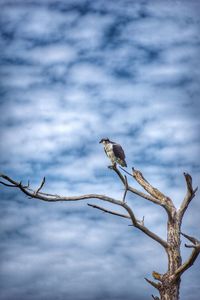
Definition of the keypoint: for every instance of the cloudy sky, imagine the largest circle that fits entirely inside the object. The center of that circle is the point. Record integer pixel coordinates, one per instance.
(71, 73)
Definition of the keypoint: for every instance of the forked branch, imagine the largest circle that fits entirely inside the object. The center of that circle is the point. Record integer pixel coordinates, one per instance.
(136, 223)
(144, 228)
(37, 194)
(133, 190)
(188, 197)
(163, 200)
(154, 195)
(190, 238)
(53, 198)
(112, 212)
(193, 256)
(154, 192)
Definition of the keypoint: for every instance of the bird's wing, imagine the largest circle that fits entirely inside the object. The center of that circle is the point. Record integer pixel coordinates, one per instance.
(118, 151)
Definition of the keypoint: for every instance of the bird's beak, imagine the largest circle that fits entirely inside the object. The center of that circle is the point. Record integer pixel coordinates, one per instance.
(100, 141)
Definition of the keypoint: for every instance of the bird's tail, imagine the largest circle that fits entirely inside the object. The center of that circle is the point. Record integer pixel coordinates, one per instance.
(122, 163)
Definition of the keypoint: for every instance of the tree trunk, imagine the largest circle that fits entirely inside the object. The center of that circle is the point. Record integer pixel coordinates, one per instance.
(169, 289)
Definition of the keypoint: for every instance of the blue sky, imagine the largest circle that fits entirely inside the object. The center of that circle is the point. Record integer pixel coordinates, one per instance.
(71, 73)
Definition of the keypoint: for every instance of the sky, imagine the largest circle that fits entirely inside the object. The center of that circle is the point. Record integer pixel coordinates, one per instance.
(72, 72)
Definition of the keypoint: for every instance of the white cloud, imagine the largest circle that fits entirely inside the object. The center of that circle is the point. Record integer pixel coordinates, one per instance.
(62, 93)
(52, 54)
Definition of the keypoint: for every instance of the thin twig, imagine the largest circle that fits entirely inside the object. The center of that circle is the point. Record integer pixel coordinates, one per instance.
(27, 186)
(190, 238)
(154, 284)
(188, 197)
(6, 184)
(142, 222)
(143, 228)
(126, 188)
(135, 191)
(41, 185)
(109, 211)
(126, 171)
(195, 242)
(191, 246)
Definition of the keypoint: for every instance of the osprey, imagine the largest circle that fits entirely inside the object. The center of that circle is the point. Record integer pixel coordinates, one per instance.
(114, 151)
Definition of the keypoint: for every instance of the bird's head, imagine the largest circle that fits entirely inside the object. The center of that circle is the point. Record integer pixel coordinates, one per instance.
(104, 141)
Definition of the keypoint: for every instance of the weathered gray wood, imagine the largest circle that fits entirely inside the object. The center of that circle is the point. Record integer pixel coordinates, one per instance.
(167, 284)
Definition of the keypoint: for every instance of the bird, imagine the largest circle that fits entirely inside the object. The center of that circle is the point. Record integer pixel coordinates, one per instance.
(114, 151)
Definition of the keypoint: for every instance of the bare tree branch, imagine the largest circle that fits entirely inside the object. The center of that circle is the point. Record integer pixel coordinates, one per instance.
(126, 171)
(154, 284)
(188, 197)
(121, 177)
(109, 211)
(142, 222)
(190, 238)
(154, 192)
(6, 184)
(170, 281)
(27, 186)
(114, 213)
(126, 188)
(53, 198)
(41, 185)
(133, 190)
(192, 246)
(143, 228)
(188, 262)
(155, 195)
(162, 200)
(192, 257)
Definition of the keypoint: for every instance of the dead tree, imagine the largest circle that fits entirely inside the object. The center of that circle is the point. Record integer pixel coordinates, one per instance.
(167, 284)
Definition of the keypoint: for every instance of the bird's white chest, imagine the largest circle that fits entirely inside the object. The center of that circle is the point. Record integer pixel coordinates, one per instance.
(109, 150)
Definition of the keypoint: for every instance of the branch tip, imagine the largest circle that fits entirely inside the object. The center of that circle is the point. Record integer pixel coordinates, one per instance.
(190, 238)
(154, 284)
(157, 276)
(190, 193)
(155, 298)
(189, 246)
(41, 185)
(126, 171)
(108, 211)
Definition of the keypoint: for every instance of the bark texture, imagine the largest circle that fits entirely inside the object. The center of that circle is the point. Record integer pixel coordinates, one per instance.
(167, 284)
